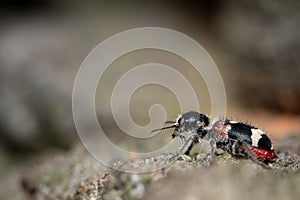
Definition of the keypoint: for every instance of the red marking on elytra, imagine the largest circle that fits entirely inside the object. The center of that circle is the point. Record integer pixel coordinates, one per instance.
(263, 154)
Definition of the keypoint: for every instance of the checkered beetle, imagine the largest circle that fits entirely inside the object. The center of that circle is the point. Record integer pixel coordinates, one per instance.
(237, 138)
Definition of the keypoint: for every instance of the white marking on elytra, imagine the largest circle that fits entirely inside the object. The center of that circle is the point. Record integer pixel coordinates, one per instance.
(256, 136)
(234, 122)
(228, 128)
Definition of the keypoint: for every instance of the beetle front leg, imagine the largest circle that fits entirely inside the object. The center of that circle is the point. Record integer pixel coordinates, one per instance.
(185, 143)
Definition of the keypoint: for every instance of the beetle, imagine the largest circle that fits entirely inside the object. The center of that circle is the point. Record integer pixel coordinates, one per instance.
(242, 139)
(237, 138)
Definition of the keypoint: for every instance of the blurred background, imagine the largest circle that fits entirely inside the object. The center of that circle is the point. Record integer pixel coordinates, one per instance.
(255, 44)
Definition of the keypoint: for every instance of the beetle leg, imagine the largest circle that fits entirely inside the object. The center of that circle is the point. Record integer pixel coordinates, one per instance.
(188, 142)
(189, 149)
(236, 148)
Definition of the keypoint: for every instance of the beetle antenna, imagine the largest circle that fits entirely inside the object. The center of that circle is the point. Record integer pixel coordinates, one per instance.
(163, 128)
(170, 122)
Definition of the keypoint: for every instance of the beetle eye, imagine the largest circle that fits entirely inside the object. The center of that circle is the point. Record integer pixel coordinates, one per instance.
(204, 120)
